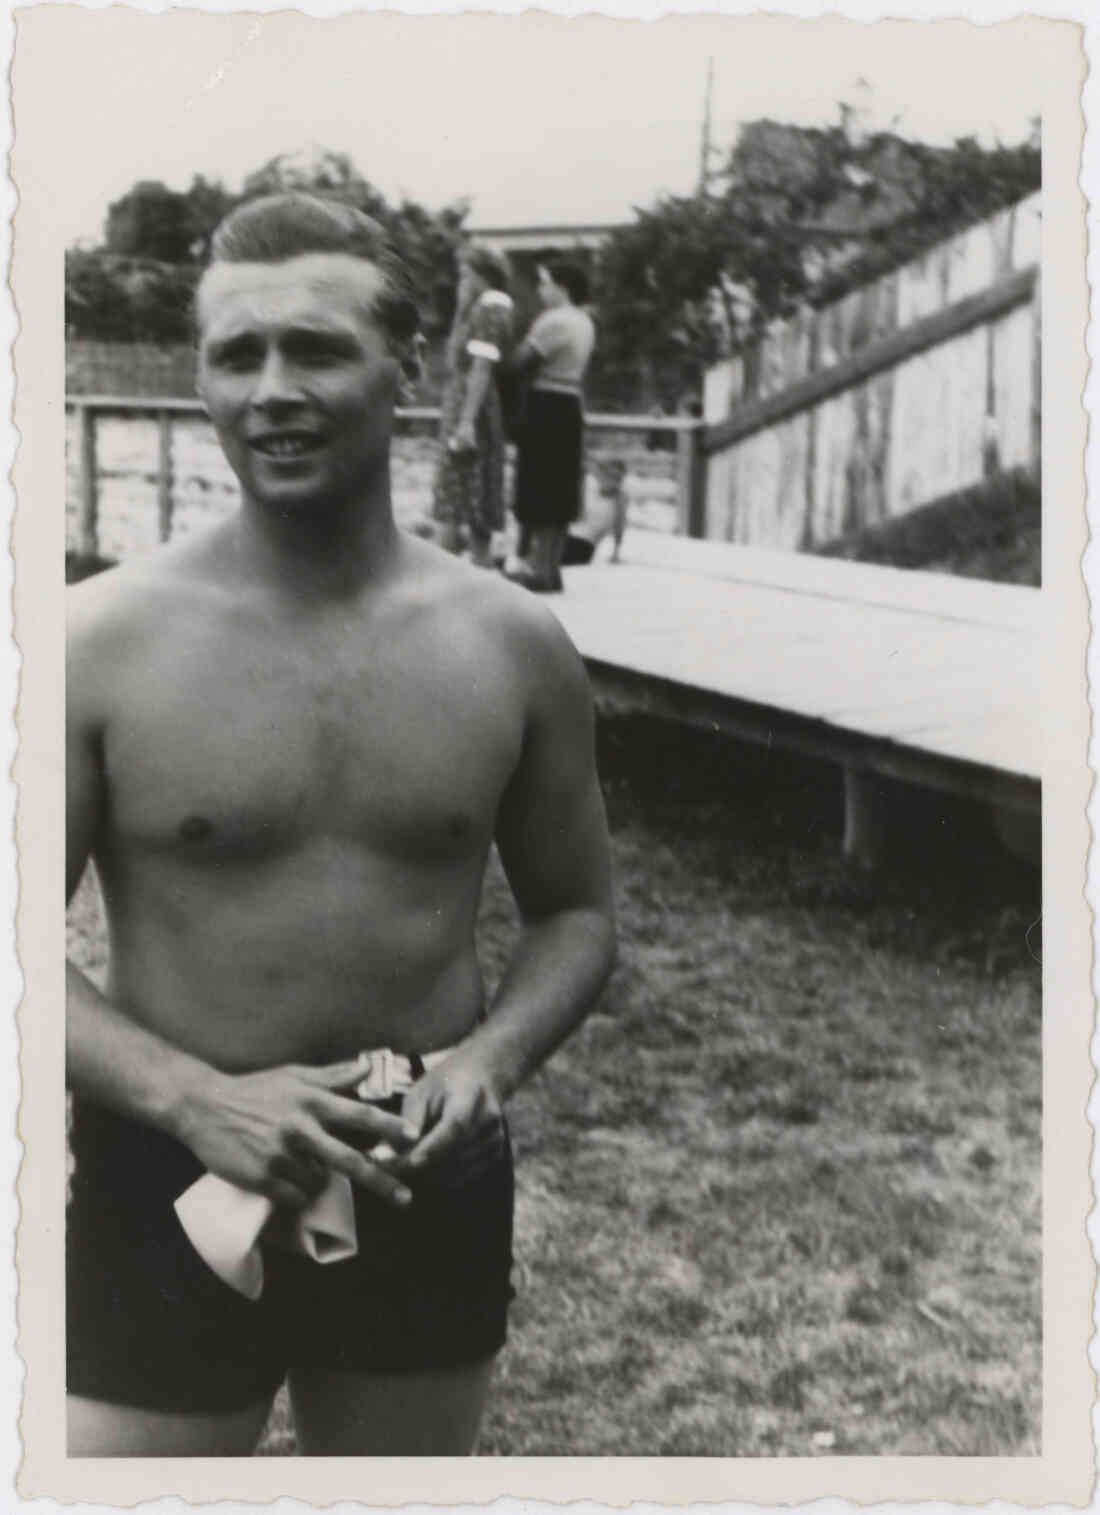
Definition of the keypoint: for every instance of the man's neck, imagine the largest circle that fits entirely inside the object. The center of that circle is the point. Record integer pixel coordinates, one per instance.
(318, 553)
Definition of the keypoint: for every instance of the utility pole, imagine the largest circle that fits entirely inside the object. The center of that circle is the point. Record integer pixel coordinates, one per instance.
(705, 149)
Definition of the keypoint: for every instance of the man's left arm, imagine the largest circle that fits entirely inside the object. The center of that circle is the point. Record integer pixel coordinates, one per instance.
(552, 838)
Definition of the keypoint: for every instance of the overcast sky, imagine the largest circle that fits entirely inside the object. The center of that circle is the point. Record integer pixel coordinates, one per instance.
(538, 119)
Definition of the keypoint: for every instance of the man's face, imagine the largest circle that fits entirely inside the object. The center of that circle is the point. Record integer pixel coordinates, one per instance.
(297, 376)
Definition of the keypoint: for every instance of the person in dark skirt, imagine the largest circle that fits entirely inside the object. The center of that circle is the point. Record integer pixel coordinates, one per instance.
(553, 357)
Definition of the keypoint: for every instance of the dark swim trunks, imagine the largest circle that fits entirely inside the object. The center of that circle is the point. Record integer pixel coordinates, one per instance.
(150, 1325)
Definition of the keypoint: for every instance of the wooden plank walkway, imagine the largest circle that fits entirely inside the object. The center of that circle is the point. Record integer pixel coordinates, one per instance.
(924, 677)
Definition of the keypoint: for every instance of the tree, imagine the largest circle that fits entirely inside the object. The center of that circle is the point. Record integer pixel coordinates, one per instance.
(317, 170)
(97, 306)
(139, 286)
(803, 216)
(953, 188)
(427, 242)
(209, 201)
(152, 221)
(683, 285)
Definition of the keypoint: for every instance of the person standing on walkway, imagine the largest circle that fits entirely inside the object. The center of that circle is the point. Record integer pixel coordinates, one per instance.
(469, 481)
(553, 356)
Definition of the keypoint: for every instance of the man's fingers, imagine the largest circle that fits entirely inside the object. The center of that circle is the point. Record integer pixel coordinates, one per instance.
(362, 1171)
(446, 1133)
(366, 1120)
(416, 1108)
(339, 1075)
(453, 1145)
(299, 1167)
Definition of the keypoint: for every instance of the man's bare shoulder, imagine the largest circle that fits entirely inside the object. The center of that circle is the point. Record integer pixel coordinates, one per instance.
(118, 612)
(515, 620)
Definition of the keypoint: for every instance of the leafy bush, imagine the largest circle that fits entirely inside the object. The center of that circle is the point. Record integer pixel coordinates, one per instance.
(989, 531)
(109, 298)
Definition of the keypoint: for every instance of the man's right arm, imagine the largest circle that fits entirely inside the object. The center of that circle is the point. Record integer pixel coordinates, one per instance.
(109, 1057)
(270, 1131)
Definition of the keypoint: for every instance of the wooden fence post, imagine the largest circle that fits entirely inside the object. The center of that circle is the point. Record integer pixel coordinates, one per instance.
(164, 474)
(89, 483)
(691, 480)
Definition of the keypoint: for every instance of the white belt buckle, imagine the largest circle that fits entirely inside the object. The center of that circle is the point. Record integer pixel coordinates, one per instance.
(380, 1079)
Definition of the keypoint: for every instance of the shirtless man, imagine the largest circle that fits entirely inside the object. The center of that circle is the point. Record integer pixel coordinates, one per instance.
(292, 741)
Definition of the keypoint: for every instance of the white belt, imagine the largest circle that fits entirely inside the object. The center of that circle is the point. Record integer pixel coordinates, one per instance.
(557, 387)
(388, 1073)
(226, 1224)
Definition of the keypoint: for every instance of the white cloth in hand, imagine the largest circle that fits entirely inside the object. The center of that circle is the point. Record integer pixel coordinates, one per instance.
(225, 1224)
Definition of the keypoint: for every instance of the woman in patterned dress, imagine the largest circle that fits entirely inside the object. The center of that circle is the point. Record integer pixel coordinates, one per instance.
(469, 480)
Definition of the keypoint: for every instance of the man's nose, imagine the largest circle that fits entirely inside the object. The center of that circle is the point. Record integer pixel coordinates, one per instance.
(276, 384)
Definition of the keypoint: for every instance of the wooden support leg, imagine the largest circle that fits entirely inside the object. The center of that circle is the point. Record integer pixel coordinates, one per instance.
(864, 818)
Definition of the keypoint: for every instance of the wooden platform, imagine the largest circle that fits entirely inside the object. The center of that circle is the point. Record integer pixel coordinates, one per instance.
(923, 677)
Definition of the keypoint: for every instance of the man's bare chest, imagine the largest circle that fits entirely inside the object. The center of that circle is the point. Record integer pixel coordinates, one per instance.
(237, 750)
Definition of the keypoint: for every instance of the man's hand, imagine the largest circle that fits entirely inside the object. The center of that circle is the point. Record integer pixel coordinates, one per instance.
(464, 437)
(457, 1111)
(274, 1132)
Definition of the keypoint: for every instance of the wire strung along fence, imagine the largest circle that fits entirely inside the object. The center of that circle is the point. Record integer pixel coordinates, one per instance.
(910, 389)
(203, 470)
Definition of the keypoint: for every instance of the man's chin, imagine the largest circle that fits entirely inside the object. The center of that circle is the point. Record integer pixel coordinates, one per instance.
(297, 502)
(310, 493)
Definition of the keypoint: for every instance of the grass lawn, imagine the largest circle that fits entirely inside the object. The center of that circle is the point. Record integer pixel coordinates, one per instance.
(780, 1195)
(991, 530)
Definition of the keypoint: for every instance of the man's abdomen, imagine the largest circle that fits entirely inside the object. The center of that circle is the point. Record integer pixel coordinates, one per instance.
(307, 960)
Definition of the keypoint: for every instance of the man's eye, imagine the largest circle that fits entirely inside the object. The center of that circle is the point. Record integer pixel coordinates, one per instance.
(320, 357)
(236, 359)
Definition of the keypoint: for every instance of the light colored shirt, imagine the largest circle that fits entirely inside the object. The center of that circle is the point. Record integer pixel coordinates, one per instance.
(485, 333)
(563, 338)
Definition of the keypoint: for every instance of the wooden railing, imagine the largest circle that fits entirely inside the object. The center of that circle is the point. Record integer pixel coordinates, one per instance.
(863, 364)
(90, 409)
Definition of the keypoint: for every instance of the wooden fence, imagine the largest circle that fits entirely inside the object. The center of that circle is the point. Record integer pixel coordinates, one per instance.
(89, 410)
(918, 385)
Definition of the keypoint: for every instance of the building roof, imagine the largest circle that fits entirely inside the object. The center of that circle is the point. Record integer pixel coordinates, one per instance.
(559, 235)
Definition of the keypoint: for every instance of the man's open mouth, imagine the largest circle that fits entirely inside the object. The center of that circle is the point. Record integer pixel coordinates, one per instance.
(287, 444)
